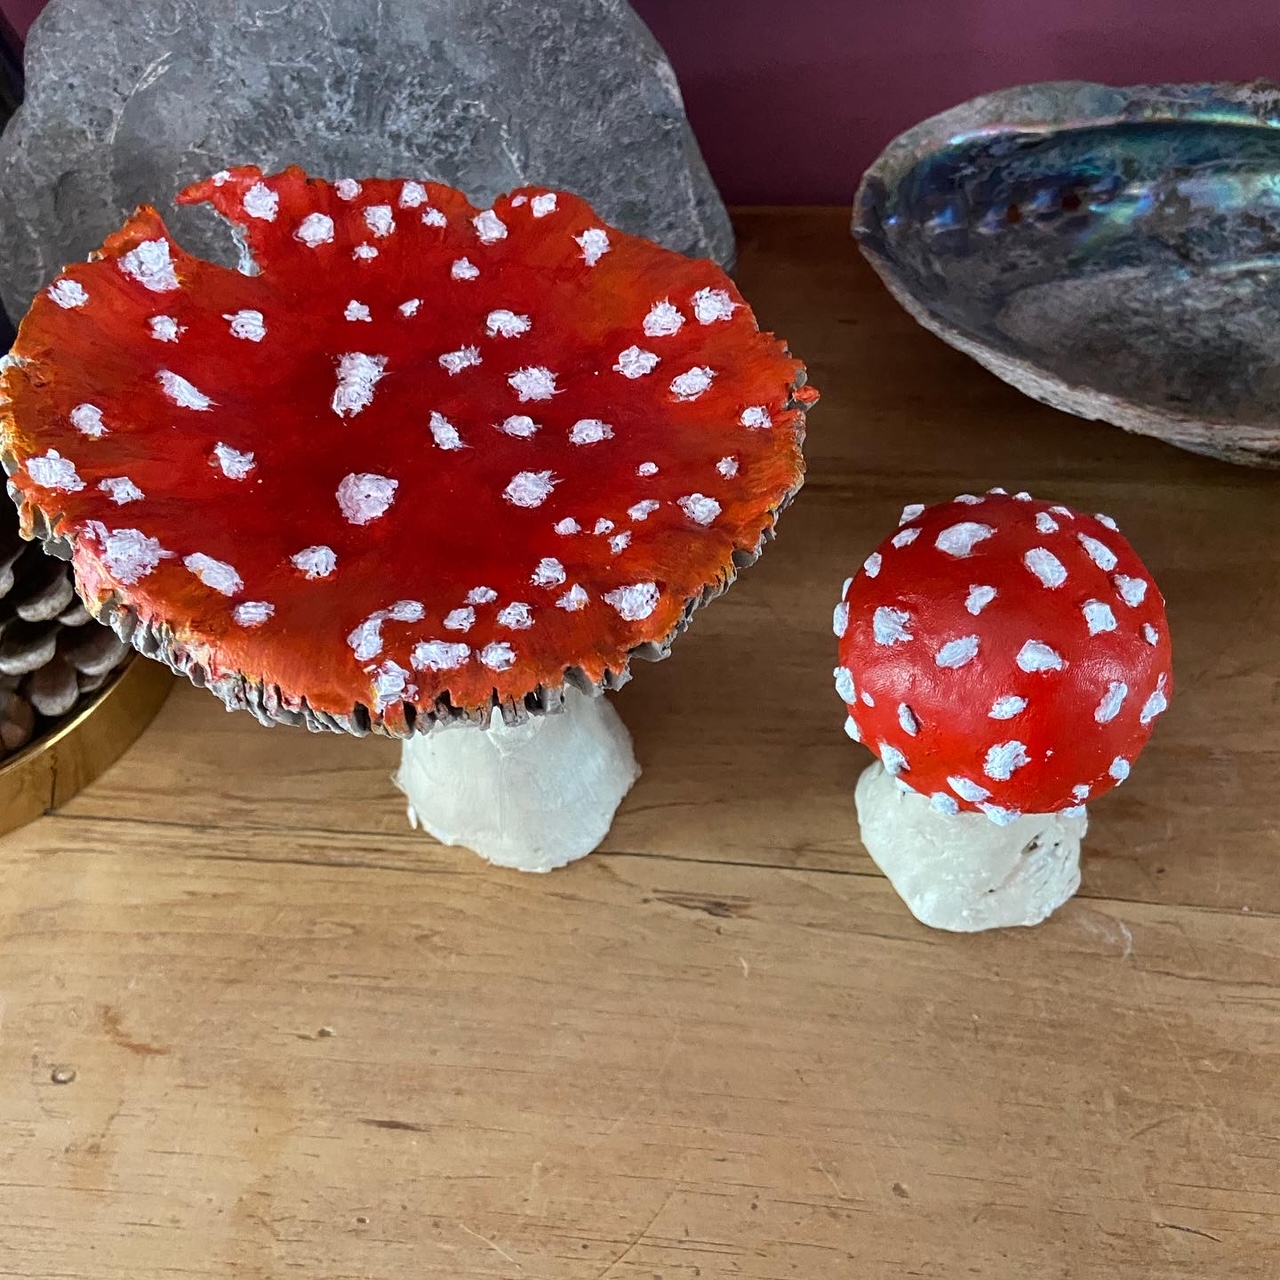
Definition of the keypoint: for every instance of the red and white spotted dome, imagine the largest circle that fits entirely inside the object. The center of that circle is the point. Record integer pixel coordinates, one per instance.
(425, 460)
(1003, 655)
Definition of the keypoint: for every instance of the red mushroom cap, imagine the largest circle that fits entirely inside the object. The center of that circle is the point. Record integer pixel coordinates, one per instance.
(425, 460)
(1004, 655)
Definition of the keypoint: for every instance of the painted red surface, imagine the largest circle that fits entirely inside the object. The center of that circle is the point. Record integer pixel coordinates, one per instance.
(1075, 629)
(455, 519)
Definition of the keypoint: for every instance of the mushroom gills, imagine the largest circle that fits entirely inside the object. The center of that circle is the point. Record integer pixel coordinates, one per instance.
(532, 796)
(963, 872)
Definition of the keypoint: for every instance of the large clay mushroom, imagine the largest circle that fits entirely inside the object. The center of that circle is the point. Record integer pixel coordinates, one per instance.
(1006, 660)
(416, 468)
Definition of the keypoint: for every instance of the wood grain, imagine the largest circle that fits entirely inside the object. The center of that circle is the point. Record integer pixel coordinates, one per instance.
(307, 1041)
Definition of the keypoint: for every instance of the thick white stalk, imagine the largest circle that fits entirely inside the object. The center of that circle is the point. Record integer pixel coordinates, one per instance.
(964, 873)
(533, 796)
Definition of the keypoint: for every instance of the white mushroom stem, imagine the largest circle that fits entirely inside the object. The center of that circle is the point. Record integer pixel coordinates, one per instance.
(532, 796)
(965, 873)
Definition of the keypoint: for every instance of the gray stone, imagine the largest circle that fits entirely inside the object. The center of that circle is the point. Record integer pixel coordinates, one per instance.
(128, 102)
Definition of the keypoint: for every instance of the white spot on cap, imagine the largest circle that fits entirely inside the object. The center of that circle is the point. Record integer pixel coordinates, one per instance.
(181, 392)
(464, 269)
(1098, 552)
(453, 362)
(215, 574)
(968, 499)
(165, 328)
(851, 728)
(499, 656)
(1065, 512)
(248, 325)
(1108, 521)
(506, 324)
(1155, 705)
(460, 619)
(871, 565)
(391, 683)
(893, 760)
(710, 305)
(1003, 758)
(1046, 566)
(519, 425)
(663, 320)
(489, 227)
(568, 526)
(1022, 496)
(756, 418)
(357, 311)
(1080, 791)
(129, 554)
(644, 509)
(699, 508)
(1133, 591)
(120, 489)
(1112, 701)
(549, 573)
(534, 382)
(999, 490)
(315, 562)
(907, 719)
(1098, 616)
(409, 308)
(52, 471)
(1038, 656)
(840, 619)
(634, 602)
(603, 526)
(314, 230)
(960, 539)
(905, 537)
(407, 611)
(542, 205)
(438, 655)
(412, 194)
(978, 599)
(358, 374)
(366, 252)
(481, 595)
(434, 218)
(573, 599)
(590, 431)
(692, 383)
(619, 543)
(1000, 816)
(87, 420)
(845, 686)
(67, 294)
(1006, 707)
(1119, 769)
(957, 653)
(444, 433)
(910, 512)
(261, 202)
(529, 488)
(635, 362)
(379, 219)
(220, 178)
(1045, 523)
(1150, 634)
(867, 698)
(647, 469)
(890, 625)
(944, 804)
(363, 496)
(233, 464)
(594, 243)
(1073, 811)
(151, 266)
(253, 613)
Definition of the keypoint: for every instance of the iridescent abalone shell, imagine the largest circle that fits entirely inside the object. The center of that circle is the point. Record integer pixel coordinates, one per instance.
(1112, 252)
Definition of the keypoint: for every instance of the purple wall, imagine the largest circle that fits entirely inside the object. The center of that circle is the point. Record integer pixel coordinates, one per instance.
(791, 99)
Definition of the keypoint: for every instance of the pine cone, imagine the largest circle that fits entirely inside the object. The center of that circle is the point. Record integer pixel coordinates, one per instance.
(53, 656)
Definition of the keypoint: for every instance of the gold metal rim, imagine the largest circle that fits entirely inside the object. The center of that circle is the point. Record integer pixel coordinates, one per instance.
(44, 776)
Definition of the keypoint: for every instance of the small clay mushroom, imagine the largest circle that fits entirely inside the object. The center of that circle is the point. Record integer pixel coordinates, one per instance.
(1006, 660)
(418, 469)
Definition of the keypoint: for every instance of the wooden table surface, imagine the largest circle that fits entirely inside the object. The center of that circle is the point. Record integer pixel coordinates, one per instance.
(307, 1041)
